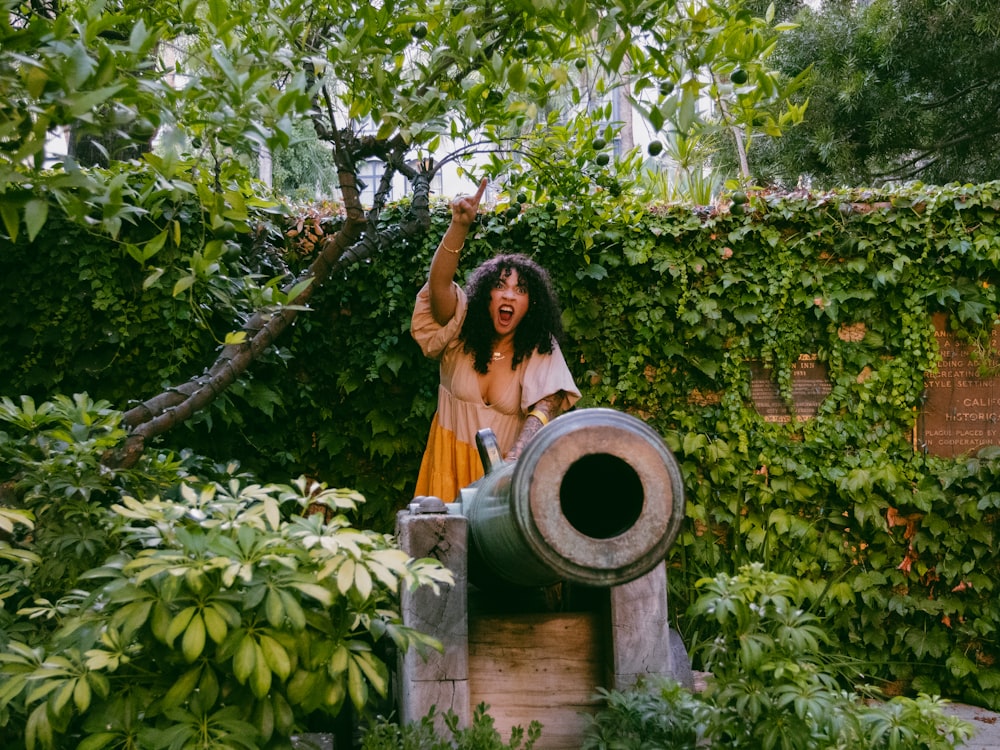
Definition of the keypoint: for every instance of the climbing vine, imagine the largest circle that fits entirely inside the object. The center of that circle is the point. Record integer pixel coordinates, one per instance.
(668, 311)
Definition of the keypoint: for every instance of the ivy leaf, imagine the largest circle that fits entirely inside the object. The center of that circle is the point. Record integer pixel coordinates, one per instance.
(858, 480)
(932, 642)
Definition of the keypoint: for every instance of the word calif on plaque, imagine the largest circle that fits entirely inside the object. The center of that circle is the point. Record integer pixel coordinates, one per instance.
(961, 411)
(809, 387)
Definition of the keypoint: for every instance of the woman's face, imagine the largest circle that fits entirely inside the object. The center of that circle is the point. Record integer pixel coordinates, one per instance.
(508, 303)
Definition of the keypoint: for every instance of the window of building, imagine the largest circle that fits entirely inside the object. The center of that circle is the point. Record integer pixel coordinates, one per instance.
(370, 173)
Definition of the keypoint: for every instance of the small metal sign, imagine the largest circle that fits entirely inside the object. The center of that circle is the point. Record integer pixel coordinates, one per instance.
(809, 387)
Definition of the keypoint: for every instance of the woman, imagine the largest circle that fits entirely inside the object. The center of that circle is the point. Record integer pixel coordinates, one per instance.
(501, 367)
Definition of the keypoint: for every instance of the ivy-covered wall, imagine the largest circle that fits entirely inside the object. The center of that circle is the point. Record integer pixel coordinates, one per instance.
(666, 307)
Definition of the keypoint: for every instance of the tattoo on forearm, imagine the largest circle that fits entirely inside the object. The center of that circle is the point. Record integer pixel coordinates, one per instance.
(551, 407)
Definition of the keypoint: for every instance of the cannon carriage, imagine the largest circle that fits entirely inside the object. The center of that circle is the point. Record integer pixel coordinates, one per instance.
(594, 503)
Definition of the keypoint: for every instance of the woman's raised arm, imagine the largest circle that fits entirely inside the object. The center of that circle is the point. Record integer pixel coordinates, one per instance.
(445, 263)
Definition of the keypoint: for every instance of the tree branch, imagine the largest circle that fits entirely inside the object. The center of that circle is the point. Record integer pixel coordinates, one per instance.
(175, 405)
(353, 242)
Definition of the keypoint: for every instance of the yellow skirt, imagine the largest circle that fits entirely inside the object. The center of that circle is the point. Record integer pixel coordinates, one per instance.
(448, 465)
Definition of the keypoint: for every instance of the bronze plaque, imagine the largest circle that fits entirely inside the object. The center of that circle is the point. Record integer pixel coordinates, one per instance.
(961, 411)
(809, 387)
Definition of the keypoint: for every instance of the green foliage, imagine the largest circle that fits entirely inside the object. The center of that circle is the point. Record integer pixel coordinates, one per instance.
(664, 715)
(243, 76)
(665, 309)
(304, 169)
(898, 90)
(143, 300)
(771, 685)
(153, 608)
(384, 734)
(96, 69)
(238, 77)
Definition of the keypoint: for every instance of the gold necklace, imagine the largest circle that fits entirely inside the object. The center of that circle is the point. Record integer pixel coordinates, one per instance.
(497, 356)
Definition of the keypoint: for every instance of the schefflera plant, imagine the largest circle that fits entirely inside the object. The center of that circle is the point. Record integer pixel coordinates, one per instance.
(777, 683)
(231, 615)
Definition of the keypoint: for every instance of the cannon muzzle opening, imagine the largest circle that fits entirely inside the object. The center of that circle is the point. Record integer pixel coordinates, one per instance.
(585, 491)
(596, 498)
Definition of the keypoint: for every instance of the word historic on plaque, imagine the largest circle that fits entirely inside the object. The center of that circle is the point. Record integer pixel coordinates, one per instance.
(809, 386)
(961, 411)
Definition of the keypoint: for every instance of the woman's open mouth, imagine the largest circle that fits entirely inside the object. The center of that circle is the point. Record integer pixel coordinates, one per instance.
(505, 314)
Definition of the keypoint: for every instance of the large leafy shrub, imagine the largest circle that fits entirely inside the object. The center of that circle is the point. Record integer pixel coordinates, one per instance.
(158, 608)
(773, 685)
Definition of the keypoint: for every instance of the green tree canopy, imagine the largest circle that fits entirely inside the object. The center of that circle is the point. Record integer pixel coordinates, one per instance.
(210, 81)
(898, 90)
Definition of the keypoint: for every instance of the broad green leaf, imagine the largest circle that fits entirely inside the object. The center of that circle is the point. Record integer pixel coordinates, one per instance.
(98, 741)
(183, 284)
(274, 609)
(215, 624)
(245, 659)
(139, 37)
(687, 112)
(375, 670)
(357, 688)
(345, 576)
(260, 681)
(38, 730)
(179, 623)
(61, 698)
(36, 212)
(298, 288)
(154, 246)
(317, 592)
(193, 643)
(338, 660)
(153, 278)
(180, 691)
(363, 581)
(293, 610)
(276, 656)
(81, 695)
(82, 104)
(11, 219)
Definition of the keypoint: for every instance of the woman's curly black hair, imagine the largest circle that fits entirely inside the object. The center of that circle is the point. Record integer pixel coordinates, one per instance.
(541, 327)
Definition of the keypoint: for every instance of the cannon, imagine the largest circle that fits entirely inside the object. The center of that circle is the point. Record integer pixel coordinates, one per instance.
(595, 500)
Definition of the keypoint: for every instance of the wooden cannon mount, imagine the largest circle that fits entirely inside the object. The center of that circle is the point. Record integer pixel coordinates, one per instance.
(592, 505)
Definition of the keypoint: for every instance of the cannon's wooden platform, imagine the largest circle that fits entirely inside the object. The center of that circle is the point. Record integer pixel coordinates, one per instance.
(538, 666)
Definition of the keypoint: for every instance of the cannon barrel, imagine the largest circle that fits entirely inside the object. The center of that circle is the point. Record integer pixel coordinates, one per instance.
(596, 498)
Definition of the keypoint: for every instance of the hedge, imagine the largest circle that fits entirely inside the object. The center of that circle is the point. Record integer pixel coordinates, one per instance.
(666, 309)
